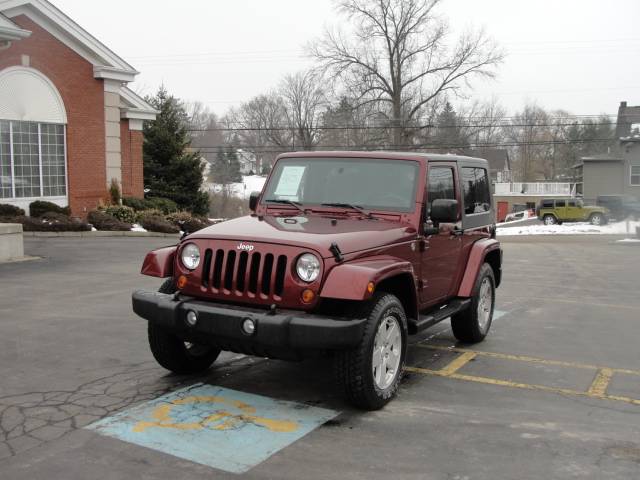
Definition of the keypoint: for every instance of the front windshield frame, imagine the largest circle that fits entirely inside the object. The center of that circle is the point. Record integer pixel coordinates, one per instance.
(270, 193)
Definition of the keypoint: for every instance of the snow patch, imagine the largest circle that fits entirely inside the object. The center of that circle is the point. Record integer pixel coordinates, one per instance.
(250, 183)
(580, 228)
(137, 228)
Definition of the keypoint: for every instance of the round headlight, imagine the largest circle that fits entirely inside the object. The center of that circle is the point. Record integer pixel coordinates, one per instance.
(190, 256)
(308, 267)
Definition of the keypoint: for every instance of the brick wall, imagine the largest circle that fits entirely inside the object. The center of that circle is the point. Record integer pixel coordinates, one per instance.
(83, 98)
(131, 142)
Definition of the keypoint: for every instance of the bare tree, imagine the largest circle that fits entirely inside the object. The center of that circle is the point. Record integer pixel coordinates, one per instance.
(400, 60)
(261, 127)
(305, 100)
(530, 133)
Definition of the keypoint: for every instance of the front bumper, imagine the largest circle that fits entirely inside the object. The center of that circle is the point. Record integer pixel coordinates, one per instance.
(290, 329)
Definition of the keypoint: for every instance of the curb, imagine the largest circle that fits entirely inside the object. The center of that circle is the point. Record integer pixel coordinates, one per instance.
(99, 234)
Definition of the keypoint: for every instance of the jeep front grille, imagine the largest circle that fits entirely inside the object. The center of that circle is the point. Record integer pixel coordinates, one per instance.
(230, 272)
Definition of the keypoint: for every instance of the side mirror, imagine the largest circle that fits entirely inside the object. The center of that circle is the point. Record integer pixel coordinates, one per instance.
(253, 201)
(444, 211)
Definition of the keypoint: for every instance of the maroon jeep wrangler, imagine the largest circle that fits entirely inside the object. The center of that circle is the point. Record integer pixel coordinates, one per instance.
(345, 254)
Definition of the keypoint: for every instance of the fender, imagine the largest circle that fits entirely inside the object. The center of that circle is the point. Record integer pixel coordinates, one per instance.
(349, 281)
(159, 263)
(477, 256)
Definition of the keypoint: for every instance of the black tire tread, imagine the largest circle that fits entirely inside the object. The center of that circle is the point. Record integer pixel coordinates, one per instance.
(169, 350)
(464, 323)
(350, 365)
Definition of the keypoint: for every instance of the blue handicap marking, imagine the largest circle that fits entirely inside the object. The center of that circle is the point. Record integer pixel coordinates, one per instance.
(222, 428)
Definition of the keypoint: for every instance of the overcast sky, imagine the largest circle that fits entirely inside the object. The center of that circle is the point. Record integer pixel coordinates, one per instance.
(577, 55)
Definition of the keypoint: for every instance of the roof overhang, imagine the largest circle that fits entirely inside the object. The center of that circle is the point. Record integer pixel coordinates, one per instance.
(107, 64)
(134, 107)
(10, 31)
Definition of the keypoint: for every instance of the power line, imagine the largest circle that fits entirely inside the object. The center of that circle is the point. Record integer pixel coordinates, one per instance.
(424, 146)
(391, 127)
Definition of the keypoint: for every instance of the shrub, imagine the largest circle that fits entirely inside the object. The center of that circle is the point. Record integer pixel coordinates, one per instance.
(104, 221)
(187, 222)
(37, 208)
(157, 223)
(55, 217)
(63, 224)
(114, 192)
(121, 212)
(10, 211)
(137, 204)
(147, 213)
(164, 204)
(222, 205)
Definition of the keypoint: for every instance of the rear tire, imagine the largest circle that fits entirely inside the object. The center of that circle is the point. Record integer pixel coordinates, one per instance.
(472, 325)
(173, 353)
(549, 220)
(596, 219)
(370, 374)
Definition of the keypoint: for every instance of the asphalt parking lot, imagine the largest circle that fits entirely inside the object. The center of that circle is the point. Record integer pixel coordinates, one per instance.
(554, 391)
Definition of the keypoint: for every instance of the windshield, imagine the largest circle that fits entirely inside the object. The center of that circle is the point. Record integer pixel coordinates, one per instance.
(362, 182)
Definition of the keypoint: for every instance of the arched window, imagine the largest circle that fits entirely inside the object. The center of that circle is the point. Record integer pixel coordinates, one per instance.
(32, 136)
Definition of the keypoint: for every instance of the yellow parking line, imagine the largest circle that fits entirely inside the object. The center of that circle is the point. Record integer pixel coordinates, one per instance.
(458, 363)
(523, 358)
(599, 386)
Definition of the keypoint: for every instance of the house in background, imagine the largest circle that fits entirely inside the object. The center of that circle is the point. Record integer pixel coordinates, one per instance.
(68, 122)
(498, 159)
(616, 173)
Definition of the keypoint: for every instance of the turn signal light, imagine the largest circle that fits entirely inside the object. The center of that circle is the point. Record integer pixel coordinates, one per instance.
(308, 296)
(182, 282)
(370, 287)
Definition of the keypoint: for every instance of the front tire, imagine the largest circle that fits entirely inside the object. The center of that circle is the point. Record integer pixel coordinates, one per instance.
(472, 325)
(173, 353)
(370, 374)
(549, 220)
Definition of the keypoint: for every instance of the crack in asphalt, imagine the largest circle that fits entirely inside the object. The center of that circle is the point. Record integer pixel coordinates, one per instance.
(30, 419)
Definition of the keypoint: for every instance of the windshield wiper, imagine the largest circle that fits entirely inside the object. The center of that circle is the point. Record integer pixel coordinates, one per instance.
(351, 206)
(287, 202)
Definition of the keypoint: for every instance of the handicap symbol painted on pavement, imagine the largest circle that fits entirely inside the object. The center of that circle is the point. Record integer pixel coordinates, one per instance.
(215, 426)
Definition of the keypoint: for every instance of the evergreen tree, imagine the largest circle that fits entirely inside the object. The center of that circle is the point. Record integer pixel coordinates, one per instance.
(448, 133)
(226, 167)
(170, 169)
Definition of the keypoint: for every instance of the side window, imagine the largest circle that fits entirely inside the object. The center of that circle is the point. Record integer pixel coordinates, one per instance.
(440, 185)
(572, 203)
(475, 183)
(560, 203)
(547, 204)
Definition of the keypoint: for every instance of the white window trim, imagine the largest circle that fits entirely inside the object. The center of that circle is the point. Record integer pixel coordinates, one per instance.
(631, 175)
(55, 198)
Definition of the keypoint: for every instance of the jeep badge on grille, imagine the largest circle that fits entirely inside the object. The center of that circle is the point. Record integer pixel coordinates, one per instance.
(245, 246)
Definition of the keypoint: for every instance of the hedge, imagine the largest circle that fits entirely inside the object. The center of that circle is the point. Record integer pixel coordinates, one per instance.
(104, 221)
(10, 211)
(37, 208)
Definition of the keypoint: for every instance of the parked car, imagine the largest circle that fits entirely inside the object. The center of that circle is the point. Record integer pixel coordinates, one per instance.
(620, 206)
(344, 256)
(552, 211)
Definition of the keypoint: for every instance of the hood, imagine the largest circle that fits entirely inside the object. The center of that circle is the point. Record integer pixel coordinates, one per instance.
(312, 231)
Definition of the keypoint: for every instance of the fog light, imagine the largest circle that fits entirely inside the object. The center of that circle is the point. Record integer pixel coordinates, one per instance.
(192, 318)
(248, 326)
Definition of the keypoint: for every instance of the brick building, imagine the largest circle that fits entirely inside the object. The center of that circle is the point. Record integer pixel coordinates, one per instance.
(68, 122)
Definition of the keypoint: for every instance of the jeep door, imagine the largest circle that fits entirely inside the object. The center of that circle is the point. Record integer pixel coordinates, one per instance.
(561, 210)
(441, 256)
(574, 210)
